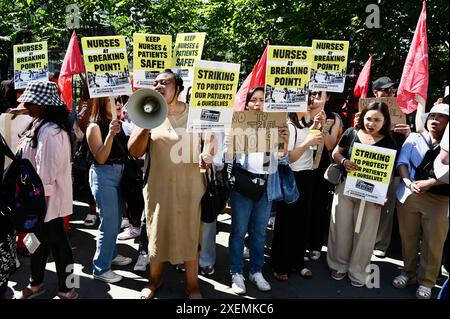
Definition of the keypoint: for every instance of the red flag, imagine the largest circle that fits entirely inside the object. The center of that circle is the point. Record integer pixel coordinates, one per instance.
(259, 71)
(72, 64)
(414, 79)
(256, 78)
(362, 83)
(241, 95)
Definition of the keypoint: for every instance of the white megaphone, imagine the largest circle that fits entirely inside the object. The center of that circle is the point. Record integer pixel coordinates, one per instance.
(147, 108)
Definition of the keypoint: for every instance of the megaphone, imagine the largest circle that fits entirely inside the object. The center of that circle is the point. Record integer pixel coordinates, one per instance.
(147, 108)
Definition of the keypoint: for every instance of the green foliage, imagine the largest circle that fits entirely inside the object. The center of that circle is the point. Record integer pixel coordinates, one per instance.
(237, 29)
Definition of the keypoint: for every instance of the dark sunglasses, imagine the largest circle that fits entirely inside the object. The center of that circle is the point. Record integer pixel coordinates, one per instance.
(123, 99)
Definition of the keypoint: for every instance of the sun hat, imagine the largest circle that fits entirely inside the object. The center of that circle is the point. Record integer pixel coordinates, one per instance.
(41, 93)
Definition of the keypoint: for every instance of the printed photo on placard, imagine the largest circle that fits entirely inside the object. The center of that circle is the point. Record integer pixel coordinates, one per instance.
(287, 76)
(329, 65)
(107, 70)
(30, 63)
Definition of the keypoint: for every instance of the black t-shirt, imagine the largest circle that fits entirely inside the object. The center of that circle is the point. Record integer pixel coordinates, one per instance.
(350, 137)
(118, 154)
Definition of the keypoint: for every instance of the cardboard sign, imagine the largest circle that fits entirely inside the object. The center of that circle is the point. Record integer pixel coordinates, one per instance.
(214, 90)
(397, 116)
(287, 76)
(30, 63)
(105, 59)
(371, 182)
(255, 131)
(152, 53)
(329, 65)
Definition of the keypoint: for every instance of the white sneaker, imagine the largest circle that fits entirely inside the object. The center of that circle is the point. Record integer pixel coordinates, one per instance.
(246, 253)
(238, 285)
(258, 279)
(130, 232)
(141, 263)
(125, 223)
(121, 261)
(379, 253)
(109, 277)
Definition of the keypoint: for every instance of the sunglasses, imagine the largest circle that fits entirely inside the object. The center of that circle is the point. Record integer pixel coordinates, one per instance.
(123, 99)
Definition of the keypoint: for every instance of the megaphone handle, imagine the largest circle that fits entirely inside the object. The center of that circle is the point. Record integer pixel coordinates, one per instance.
(112, 101)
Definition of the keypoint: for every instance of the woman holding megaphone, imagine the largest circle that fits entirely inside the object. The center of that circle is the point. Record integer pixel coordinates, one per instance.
(174, 188)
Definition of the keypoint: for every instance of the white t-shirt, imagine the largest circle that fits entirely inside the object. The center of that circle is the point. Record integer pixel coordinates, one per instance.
(259, 163)
(305, 162)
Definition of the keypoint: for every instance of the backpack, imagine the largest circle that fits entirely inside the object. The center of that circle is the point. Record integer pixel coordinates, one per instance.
(22, 197)
(425, 171)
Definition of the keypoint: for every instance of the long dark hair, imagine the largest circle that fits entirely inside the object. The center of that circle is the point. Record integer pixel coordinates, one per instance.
(58, 115)
(250, 94)
(293, 117)
(384, 109)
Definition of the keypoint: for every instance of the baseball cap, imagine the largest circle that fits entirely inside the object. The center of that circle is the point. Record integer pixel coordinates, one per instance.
(382, 83)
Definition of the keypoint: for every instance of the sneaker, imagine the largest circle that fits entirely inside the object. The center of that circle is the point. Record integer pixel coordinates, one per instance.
(314, 255)
(258, 279)
(141, 263)
(130, 232)
(109, 277)
(121, 261)
(246, 253)
(207, 271)
(238, 285)
(337, 275)
(125, 223)
(379, 253)
(90, 219)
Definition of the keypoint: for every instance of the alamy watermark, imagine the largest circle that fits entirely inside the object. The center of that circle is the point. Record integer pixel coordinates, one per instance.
(73, 16)
(373, 19)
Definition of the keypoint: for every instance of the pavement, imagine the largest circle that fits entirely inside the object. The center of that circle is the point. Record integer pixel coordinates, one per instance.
(217, 286)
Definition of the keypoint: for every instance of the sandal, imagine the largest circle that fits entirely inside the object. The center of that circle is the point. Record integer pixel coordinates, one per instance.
(280, 277)
(402, 281)
(423, 292)
(149, 291)
(29, 293)
(306, 273)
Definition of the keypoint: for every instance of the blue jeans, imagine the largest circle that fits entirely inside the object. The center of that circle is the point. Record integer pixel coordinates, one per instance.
(252, 216)
(208, 251)
(105, 185)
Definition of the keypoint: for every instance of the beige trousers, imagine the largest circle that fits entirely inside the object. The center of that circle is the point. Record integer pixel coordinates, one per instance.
(348, 251)
(384, 232)
(423, 224)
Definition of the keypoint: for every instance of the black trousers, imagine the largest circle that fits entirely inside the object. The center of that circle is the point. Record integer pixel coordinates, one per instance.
(53, 237)
(321, 199)
(291, 228)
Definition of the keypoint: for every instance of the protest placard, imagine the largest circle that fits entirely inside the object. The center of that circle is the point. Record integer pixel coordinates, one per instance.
(30, 63)
(397, 116)
(152, 53)
(105, 59)
(371, 182)
(188, 49)
(214, 89)
(329, 65)
(256, 131)
(287, 76)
